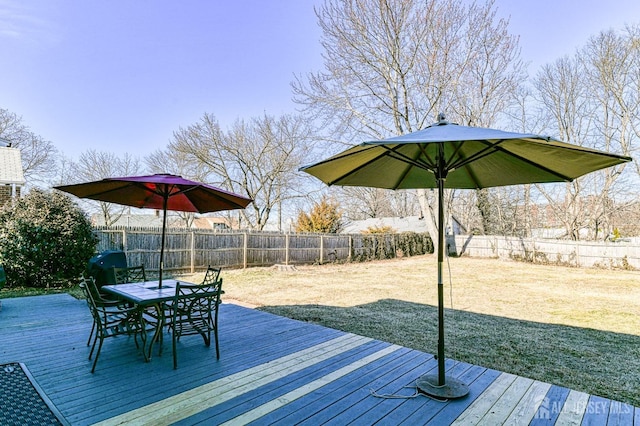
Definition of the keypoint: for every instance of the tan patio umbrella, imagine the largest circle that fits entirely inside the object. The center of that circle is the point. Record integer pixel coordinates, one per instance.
(446, 155)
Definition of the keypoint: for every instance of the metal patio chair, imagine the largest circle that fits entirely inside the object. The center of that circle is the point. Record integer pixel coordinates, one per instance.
(110, 321)
(211, 276)
(195, 311)
(112, 305)
(131, 274)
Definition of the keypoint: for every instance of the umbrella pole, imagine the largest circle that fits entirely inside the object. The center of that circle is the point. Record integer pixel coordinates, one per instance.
(440, 386)
(441, 223)
(164, 226)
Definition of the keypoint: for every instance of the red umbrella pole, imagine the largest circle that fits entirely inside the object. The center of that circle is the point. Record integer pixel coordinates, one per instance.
(164, 226)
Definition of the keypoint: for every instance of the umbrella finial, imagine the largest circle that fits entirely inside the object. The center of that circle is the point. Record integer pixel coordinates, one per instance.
(442, 119)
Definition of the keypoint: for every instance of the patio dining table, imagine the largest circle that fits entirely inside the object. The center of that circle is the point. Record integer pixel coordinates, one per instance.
(147, 294)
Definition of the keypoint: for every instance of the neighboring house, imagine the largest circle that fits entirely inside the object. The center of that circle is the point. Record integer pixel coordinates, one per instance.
(131, 220)
(219, 223)
(173, 221)
(11, 174)
(398, 224)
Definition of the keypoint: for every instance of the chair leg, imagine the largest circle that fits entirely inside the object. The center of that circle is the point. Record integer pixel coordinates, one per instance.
(95, 361)
(215, 331)
(93, 347)
(207, 337)
(215, 336)
(93, 327)
(175, 351)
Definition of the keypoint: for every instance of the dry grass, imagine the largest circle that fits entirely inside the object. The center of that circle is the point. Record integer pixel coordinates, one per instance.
(578, 328)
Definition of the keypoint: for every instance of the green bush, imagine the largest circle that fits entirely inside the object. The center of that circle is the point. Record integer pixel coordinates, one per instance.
(372, 246)
(45, 240)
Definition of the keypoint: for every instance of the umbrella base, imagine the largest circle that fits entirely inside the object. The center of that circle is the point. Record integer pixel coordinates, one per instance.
(452, 388)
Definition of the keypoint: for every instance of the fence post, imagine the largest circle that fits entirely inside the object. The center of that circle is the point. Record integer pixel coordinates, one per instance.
(193, 252)
(244, 250)
(350, 248)
(321, 249)
(124, 242)
(395, 245)
(286, 249)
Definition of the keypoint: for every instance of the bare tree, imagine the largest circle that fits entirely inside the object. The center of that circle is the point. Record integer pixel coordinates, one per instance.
(364, 203)
(96, 165)
(392, 65)
(592, 99)
(562, 91)
(177, 163)
(257, 158)
(38, 155)
(612, 64)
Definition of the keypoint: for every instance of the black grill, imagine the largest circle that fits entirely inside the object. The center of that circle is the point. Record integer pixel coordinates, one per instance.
(100, 267)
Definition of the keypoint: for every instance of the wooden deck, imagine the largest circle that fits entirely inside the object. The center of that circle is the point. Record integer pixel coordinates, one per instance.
(272, 370)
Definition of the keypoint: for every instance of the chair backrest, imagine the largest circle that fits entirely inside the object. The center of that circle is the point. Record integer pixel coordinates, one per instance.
(196, 302)
(211, 276)
(91, 294)
(90, 289)
(85, 288)
(132, 274)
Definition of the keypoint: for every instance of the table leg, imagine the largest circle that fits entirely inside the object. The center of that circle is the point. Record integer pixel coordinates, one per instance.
(143, 336)
(157, 334)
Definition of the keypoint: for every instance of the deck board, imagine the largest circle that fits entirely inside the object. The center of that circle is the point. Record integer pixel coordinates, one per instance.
(272, 370)
(280, 391)
(574, 409)
(528, 405)
(350, 388)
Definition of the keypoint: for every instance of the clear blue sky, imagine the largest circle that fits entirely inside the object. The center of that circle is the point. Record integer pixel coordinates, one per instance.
(122, 75)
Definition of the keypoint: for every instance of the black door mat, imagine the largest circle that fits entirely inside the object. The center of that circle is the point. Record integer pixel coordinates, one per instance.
(22, 401)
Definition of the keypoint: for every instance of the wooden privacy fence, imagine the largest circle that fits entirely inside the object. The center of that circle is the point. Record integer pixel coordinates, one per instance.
(623, 255)
(188, 250)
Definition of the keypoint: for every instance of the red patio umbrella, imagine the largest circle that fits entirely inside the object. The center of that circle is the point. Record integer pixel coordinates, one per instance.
(161, 192)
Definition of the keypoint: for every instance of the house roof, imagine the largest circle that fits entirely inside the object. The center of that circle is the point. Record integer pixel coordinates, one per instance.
(11, 166)
(399, 224)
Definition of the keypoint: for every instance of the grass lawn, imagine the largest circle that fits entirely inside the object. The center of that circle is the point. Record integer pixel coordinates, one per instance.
(578, 328)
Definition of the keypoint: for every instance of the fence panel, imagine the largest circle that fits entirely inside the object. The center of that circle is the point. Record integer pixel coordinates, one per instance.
(224, 250)
(265, 249)
(189, 250)
(625, 255)
(304, 248)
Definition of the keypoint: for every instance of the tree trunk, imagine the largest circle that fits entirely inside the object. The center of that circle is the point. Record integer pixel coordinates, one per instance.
(430, 213)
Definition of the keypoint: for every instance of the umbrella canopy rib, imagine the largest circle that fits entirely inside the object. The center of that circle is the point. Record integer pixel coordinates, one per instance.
(455, 154)
(493, 147)
(337, 179)
(417, 162)
(462, 161)
(409, 162)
